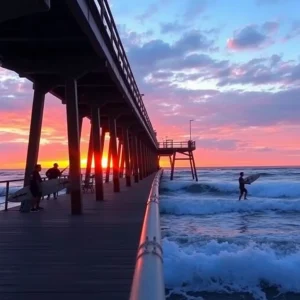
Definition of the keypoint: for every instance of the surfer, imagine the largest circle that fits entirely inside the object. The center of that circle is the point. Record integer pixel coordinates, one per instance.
(35, 188)
(243, 190)
(53, 173)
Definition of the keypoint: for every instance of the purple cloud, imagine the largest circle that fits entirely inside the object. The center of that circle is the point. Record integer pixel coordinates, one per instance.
(295, 31)
(252, 36)
(149, 12)
(262, 71)
(157, 53)
(132, 38)
(172, 27)
(194, 9)
(15, 93)
(183, 61)
(270, 27)
(219, 144)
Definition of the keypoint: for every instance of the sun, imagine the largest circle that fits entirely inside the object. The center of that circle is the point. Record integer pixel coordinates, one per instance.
(104, 163)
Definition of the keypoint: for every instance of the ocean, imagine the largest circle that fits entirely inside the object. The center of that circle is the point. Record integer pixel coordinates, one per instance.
(216, 247)
(13, 186)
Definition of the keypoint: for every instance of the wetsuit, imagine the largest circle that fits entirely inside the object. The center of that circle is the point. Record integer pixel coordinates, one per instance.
(35, 184)
(242, 185)
(53, 173)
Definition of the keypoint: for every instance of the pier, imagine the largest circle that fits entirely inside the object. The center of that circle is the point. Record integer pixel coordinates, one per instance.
(185, 149)
(51, 254)
(102, 243)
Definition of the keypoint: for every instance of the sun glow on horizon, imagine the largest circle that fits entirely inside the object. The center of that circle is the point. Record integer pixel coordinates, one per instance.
(84, 162)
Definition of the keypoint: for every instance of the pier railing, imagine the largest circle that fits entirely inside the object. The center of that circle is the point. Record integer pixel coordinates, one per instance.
(148, 280)
(171, 144)
(7, 187)
(112, 32)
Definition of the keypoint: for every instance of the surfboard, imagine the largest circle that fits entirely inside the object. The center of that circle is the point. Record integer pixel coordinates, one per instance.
(48, 187)
(251, 178)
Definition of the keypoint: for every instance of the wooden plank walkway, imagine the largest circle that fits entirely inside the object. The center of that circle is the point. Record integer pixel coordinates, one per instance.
(53, 255)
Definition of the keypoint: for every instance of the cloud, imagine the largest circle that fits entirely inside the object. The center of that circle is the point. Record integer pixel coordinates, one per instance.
(131, 38)
(15, 93)
(194, 9)
(219, 144)
(172, 27)
(270, 27)
(149, 12)
(263, 71)
(294, 32)
(161, 64)
(154, 53)
(252, 36)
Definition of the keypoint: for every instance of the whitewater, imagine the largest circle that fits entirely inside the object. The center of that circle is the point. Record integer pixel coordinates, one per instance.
(216, 247)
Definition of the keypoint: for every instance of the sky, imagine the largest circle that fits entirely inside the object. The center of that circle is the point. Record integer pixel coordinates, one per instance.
(231, 66)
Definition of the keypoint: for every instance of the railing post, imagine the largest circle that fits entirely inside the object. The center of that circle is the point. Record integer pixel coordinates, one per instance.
(6, 195)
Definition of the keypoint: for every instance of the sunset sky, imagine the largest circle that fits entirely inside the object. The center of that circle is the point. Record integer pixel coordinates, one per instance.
(231, 65)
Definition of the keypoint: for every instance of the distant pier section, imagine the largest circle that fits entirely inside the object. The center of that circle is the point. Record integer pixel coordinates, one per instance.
(185, 149)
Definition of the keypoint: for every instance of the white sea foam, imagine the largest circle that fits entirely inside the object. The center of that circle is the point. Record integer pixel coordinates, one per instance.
(230, 267)
(266, 189)
(203, 206)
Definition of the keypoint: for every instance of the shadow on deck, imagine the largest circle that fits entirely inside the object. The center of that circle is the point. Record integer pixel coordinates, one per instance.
(53, 255)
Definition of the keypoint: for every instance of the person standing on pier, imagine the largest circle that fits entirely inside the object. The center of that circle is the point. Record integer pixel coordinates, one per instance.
(53, 173)
(36, 188)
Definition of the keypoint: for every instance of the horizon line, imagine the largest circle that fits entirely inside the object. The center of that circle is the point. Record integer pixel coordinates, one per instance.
(234, 166)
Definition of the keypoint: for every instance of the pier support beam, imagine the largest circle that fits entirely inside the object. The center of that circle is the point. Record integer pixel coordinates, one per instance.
(97, 153)
(119, 151)
(74, 146)
(194, 165)
(103, 133)
(89, 157)
(122, 159)
(172, 165)
(107, 172)
(114, 154)
(126, 156)
(140, 159)
(145, 161)
(134, 159)
(35, 131)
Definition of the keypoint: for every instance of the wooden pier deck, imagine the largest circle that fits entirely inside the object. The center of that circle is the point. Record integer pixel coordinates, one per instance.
(52, 255)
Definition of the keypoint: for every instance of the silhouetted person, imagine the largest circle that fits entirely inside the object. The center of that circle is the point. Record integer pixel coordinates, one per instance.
(53, 173)
(242, 187)
(36, 188)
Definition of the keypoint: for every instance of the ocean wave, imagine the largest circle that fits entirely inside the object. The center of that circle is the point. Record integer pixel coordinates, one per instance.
(191, 206)
(225, 267)
(265, 189)
(12, 190)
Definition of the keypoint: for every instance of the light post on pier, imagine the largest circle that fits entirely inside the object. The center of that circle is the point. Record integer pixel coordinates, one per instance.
(191, 129)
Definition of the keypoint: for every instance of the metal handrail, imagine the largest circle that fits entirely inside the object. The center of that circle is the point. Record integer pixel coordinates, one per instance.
(7, 186)
(111, 29)
(148, 279)
(171, 144)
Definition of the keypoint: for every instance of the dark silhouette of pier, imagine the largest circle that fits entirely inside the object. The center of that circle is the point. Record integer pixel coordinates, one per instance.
(54, 255)
(72, 49)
